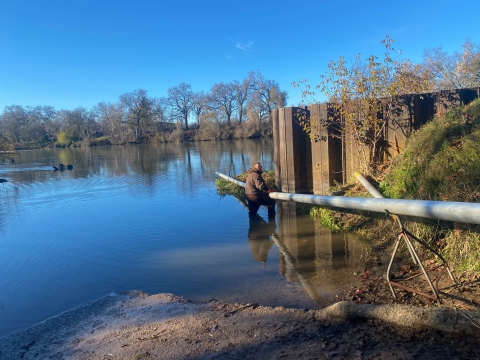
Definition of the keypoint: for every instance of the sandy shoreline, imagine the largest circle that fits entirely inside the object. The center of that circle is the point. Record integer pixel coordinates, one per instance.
(135, 325)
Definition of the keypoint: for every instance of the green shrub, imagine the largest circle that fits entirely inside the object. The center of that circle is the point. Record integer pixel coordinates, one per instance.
(225, 187)
(65, 138)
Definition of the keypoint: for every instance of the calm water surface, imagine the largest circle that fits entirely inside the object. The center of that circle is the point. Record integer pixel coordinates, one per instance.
(148, 218)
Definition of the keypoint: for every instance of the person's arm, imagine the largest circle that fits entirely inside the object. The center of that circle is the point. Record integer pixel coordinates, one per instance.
(261, 185)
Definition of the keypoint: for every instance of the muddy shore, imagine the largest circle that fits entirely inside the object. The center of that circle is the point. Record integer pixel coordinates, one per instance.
(135, 325)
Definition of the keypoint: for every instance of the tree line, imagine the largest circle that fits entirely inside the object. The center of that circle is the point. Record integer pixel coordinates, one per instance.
(238, 109)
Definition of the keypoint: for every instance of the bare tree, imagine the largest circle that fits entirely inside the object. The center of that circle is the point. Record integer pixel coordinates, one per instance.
(161, 119)
(243, 91)
(47, 116)
(199, 105)
(138, 110)
(24, 125)
(180, 101)
(15, 123)
(223, 98)
(111, 120)
(456, 71)
(266, 96)
(76, 124)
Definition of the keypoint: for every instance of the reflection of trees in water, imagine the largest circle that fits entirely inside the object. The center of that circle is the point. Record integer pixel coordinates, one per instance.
(234, 157)
(192, 163)
(228, 157)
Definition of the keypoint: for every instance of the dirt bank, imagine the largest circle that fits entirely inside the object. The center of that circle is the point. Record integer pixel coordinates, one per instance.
(137, 326)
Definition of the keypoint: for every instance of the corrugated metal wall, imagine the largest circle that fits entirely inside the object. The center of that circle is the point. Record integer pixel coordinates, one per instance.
(310, 165)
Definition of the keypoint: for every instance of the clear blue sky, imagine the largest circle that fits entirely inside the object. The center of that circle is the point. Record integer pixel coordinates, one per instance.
(71, 53)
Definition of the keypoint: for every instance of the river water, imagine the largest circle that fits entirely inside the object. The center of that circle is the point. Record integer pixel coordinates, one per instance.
(147, 217)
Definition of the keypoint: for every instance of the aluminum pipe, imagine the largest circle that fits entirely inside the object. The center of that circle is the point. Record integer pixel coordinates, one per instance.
(371, 189)
(442, 210)
(238, 182)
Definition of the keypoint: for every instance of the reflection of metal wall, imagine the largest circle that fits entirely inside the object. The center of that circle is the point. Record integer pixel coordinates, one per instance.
(359, 252)
(297, 233)
(318, 255)
(285, 211)
(323, 247)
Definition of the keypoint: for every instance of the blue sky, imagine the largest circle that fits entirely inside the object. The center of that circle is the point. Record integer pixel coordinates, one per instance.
(73, 53)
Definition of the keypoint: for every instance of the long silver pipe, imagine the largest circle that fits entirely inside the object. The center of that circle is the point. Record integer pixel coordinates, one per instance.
(371, 189)
(442, 210)
(235, 181)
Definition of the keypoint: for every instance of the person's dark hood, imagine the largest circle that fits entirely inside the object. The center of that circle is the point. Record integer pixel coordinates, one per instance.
(253, 169)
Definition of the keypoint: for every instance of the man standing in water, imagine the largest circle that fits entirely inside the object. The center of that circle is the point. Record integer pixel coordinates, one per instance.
(256, 191)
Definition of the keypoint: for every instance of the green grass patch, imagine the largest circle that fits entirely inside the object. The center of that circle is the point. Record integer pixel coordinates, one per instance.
(327, 218)
(462, 247)
(441, 162)
(225, 187)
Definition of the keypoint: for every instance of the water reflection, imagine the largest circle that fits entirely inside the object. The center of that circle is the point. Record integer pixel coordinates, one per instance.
(321, 261)
(143, 169)
(125, 214)
(70, 237)
(259, 232)
(193, 159)
(327, 260)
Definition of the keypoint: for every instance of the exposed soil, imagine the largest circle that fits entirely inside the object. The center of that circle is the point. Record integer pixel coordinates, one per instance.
(363, 322)
(164, 326)
(463, 294)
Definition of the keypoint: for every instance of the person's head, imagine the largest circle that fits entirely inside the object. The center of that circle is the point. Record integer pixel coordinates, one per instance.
(258, 166)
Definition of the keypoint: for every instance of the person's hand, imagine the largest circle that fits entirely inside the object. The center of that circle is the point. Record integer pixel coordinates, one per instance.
(271, 190)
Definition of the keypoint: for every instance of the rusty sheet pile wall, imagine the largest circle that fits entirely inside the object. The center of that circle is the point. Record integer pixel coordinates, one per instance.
(292, 152)
(311, 164)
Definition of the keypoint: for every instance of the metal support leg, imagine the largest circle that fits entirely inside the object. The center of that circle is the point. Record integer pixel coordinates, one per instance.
(405, 235)
(390, 266)
(407, 240)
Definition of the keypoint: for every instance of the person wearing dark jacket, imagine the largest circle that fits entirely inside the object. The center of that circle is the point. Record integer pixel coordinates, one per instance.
(256, 191)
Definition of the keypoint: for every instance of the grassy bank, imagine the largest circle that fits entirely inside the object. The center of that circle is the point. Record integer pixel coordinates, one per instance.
(441, 161)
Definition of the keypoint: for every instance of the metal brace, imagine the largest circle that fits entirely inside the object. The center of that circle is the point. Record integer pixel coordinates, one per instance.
(405, 235)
